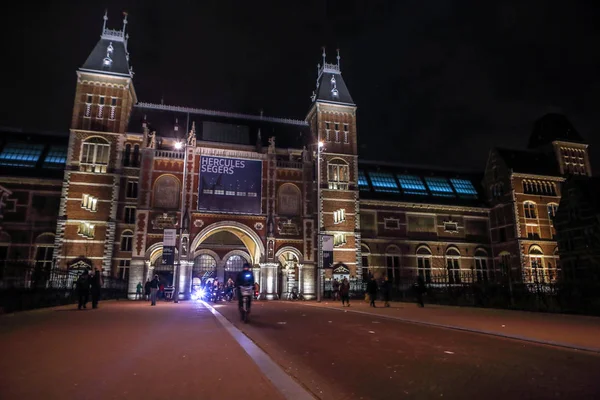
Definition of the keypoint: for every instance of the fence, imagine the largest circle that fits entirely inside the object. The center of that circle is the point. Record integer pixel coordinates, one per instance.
(547, 292)
(25, 288)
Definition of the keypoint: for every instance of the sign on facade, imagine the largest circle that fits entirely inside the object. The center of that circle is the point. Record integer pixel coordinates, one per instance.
(169, 240)
(230, 185)
(327, 241)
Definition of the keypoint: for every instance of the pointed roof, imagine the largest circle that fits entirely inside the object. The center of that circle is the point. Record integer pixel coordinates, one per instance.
(553, 127)
(110, 56)
(331, 87)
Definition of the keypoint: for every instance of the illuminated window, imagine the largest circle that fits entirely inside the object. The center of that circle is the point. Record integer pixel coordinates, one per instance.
(205, 266)
(86, 230)
(439, 187)
(95, 155)
(338, 175)
(89, 203)
(87, 112)
(339, 216)
(235, 263)
(123, 272)
(21, 154)
(339, 239)
(529, 208)
(384, 182)
(464, 188)
(126, 240)
(536, 265)
(56, 157)
(113, 113)
(363, 184)
(424, 263)
(412, 184)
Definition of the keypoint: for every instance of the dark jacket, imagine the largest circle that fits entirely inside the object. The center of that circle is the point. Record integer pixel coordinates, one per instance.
(83, 283)
(344, 288)
(245, 278)
(154, 284)
(372, 287)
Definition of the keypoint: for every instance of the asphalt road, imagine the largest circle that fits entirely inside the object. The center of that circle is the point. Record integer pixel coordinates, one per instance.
(345, 355)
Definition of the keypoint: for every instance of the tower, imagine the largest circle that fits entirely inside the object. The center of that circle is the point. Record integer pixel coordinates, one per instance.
(104, 97)
(332, 120)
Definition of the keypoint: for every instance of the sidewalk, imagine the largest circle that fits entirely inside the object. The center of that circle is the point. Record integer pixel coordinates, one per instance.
(125, 350)
(572, 331)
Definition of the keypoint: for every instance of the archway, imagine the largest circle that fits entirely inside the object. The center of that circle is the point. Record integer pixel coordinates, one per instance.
(289, 278)
(248, 237)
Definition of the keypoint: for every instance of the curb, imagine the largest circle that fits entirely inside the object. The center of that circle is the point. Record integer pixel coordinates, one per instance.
(471, 330)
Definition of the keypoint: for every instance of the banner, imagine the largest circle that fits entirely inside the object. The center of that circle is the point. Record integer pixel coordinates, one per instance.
(230, 185)
(327, 247)
(169, 240)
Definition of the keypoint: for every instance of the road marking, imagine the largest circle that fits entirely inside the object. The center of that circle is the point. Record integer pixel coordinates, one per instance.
(464, 329)
(289, 388)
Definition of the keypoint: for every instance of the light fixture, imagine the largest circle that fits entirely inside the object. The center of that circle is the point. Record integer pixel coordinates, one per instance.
(321, 143)
(178, 145)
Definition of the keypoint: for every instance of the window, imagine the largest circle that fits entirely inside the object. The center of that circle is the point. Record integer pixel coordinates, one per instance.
(439, 187)
(89, 203)
(288, 200)
(87, 111)
(113, 101)
(450, 226)
(339, 239)
(94, 155)
(21, 154)
(113, 113)
(346, 127)
(56, 157)
(391, 223)
(127, 155)
(412, 184)
(533, 231)
(497, 190)
(481, 265)
(44, 254)
(205, 266)
(132, 190)
(453, 264)
(384, 182)
(339, 216)
(529, 208)
(234, 263)
(126, 240)
(464, 188)
(123, 272)
(135, 158)
(536, 265)
(392, 259)
(337, 126)
(424, 263)
(552, 208)
(337, 175)
(86, 230)
(363, 184)
(129, 215)
(327, 126)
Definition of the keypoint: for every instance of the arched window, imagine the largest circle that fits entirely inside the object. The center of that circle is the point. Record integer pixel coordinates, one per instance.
(536, 265)
(288, 200)
(95, 154)
(552, 208)
(392, 259)
(453, 265)
(166, 193)
(481, 265)
(205, 267)
(529, 207)
(126, 240)
(424, 263)
(234, 263)
(135, 157)
(44, 251)
(127, 155)
(338, 174)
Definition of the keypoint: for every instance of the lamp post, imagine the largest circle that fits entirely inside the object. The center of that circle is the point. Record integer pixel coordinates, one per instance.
(319, 211)
(177, 267)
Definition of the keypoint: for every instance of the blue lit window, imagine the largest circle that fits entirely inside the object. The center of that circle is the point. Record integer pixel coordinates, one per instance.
(439, 187)
(464, 187)
(362, 181)
(21, 154)
(412, 184)
(56, 157)
(383, 182)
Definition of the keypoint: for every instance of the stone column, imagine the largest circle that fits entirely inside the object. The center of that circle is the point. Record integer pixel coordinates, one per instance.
(268, 272)
(300, 283)
(257, 276)
(185, 274)
(308, 272)
(136, 274)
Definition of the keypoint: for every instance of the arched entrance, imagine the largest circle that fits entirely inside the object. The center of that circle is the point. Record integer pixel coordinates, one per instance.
(164, 272)
(289, 273)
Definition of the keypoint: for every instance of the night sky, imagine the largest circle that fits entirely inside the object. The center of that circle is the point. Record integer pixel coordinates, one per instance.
(438, 82)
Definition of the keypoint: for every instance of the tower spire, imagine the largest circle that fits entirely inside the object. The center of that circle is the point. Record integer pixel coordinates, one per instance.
(105, 19)
(324, 55)
(124, 22)
(338, 59)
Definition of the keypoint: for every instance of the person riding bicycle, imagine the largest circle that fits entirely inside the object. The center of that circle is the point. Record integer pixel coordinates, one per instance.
(244, 278)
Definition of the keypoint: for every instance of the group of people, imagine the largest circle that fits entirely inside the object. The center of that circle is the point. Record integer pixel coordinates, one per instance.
(341, 290)
(89, 283)
(145, 292)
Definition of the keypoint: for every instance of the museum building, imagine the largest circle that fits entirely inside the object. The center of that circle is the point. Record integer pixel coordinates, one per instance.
(289, 197)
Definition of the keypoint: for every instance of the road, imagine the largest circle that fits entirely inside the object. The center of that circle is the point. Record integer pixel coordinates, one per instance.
(345, 355)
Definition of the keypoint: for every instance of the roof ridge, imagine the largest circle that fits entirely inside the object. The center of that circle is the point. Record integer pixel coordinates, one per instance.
(215, 113)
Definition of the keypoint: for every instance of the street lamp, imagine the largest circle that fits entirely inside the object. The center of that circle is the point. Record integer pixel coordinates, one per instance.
(177, 267)
(319, 238)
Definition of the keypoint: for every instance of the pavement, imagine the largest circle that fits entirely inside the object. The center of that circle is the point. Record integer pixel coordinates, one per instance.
(293, 350)
(570, 331)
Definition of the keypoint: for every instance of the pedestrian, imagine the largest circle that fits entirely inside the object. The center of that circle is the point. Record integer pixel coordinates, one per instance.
(385, 291)
(147, 290)
(420, 289)
(83, 288)
(154, 285)
(345, 292)
(372, 291)
(336, 289)
(138, 291)
(96, 284)
(161, 291)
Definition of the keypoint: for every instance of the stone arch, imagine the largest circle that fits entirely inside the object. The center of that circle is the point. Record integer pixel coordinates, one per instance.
(290, 249)
(392, 249)
(209, 252)
(169, 198)
(251, 240)
(155, 251)
(240, 253)
(46, 238)
(289, 200)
